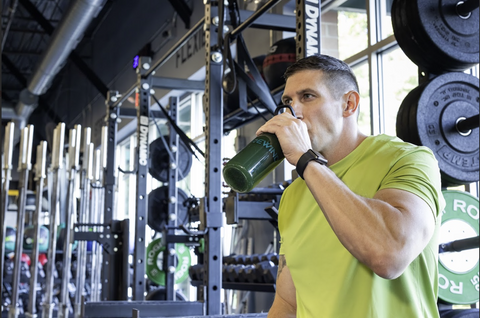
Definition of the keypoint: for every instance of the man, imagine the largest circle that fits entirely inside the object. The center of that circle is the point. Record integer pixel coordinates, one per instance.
(359, 233)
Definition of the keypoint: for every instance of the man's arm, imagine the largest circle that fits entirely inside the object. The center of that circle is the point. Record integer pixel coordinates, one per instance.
(386, 233)
(285, 302)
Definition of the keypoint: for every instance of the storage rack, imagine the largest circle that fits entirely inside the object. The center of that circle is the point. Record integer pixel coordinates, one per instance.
(116, 269)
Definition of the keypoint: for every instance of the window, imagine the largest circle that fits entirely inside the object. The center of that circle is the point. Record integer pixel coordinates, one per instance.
(364, 117)
(352, 33)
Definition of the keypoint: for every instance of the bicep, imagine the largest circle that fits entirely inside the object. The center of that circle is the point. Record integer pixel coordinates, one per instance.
(418, 219)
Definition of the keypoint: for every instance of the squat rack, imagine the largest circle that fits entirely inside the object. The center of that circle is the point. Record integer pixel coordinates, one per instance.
(115, 273)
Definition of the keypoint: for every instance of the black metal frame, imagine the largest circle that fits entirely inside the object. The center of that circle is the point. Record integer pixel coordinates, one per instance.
(169, 259)
(141, 163)
(211, 206)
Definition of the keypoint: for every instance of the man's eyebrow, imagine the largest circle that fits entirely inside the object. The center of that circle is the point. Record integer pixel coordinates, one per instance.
(305, 90)
(300, 92)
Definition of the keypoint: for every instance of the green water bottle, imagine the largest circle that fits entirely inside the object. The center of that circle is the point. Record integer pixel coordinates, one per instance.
(251, 165)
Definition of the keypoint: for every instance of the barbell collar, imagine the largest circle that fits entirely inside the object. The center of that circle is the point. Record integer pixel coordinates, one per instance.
(71, 149)
(58, 141)
(23, 149)
(466, 125)
(88, 158)
(40, 172)
(8, 145)
(26, 142)
(104, 147)
(465, 8)
(78, 140)
(28, 163)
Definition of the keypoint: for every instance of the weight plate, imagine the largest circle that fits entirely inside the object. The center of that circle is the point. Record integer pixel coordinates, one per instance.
(154, 265)
(431, 111)
(445, 99)
(409, 105)
(459, 271)
(158, 207)
(434, 36)
(159, 160)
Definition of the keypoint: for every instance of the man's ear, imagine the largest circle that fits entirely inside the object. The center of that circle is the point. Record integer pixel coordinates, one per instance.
(352, 99)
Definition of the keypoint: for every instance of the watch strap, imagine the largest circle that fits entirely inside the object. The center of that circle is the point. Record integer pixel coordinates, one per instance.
(306, 158)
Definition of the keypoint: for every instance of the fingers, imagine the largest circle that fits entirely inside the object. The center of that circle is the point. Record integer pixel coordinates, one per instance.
(292, 134)
(283, 121)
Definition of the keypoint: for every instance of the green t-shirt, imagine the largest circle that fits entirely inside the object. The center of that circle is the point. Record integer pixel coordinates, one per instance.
(329, 281)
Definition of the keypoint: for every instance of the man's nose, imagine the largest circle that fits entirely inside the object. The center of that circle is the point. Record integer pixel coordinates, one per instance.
(296, 108)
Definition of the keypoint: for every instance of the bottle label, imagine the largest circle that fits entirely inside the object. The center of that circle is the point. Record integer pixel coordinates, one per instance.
(271, 149)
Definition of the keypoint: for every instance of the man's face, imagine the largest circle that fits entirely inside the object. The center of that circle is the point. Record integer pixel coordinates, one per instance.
(313, 103)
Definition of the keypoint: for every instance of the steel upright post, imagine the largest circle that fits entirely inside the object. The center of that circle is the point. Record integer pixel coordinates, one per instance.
(211, 207)
(24, 166)
(7, 167)
(57, 163)
(96, 217)
(308, 27)
(143, 115)
(73, 156)
(82, 218)
(40, 176)
(169, 256)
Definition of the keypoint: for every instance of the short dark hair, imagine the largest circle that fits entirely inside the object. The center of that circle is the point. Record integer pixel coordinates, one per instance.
(340, 77)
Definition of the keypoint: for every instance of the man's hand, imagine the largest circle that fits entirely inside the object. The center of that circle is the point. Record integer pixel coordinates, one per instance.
(292, 134)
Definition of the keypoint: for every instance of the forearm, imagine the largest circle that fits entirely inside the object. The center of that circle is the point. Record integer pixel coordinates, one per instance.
(377, 231)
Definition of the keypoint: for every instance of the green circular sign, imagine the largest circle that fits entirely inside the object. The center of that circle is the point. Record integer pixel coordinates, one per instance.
(458, 277)
(155, 262)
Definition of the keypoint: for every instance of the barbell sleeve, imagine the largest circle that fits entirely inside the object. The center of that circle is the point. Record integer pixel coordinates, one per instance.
(460, 245)
(464, 8)
(468, 124)
(8, 147)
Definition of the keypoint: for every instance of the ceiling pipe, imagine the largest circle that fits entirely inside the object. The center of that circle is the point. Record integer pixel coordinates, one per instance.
(64, 40)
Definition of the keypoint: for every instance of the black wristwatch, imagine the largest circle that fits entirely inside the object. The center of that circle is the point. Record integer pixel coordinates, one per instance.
(306, 158)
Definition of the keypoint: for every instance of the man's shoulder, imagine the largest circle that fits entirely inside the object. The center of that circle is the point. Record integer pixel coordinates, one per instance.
(396, 144)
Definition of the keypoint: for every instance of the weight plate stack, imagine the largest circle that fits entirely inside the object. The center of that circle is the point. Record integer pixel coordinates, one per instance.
(436, 34)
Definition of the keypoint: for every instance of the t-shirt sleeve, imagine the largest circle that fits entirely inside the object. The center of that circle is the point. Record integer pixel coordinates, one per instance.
(417, 172)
